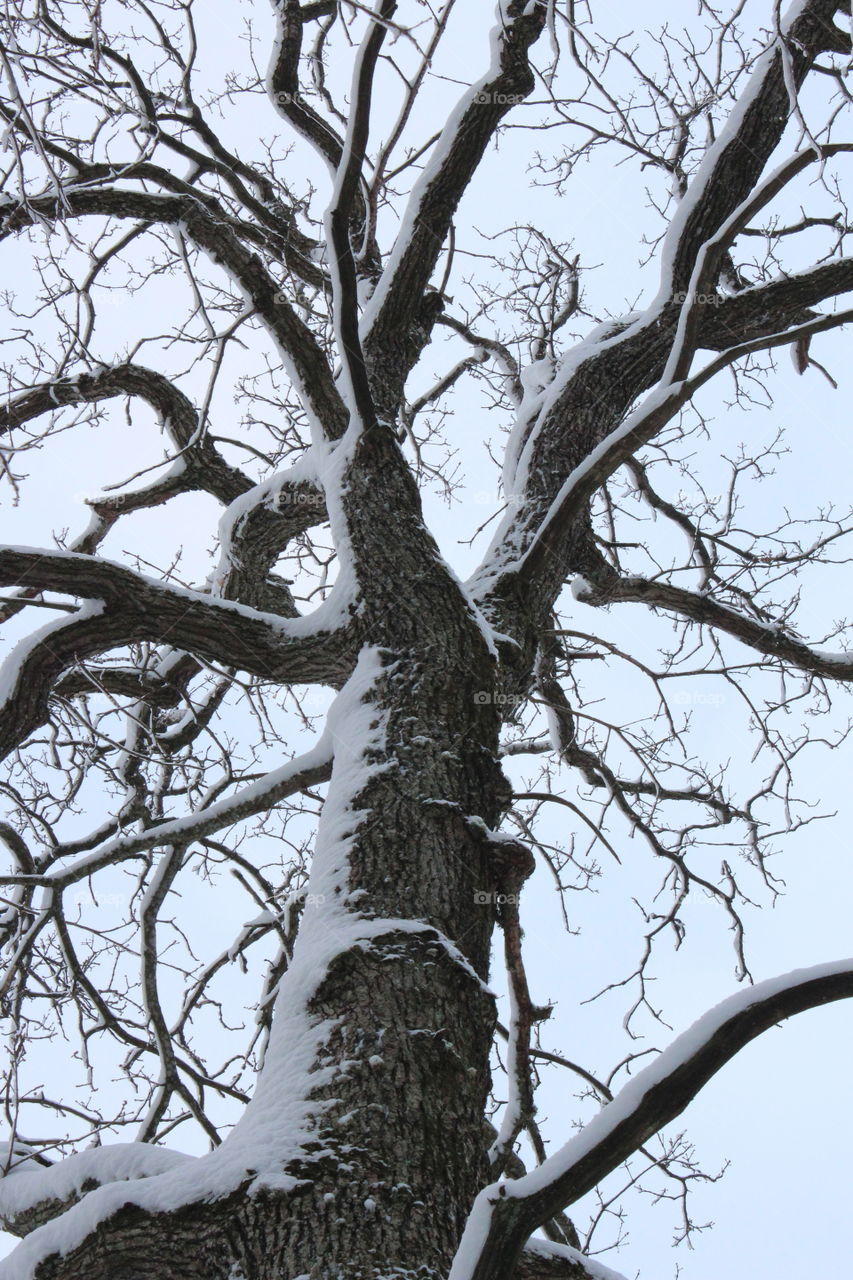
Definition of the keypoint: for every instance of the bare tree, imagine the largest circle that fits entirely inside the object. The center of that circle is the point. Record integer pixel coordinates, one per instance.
(294, 265)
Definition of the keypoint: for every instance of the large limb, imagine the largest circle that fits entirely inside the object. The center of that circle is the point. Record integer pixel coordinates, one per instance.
(547, 537)
(768, 309)
(400, 305)
(284, 85)
(506, 1214)
(126, 606)
(32, 1194)
(773, 641)
(733, 165)
(597, 383)
(345, 198)
(638, 429)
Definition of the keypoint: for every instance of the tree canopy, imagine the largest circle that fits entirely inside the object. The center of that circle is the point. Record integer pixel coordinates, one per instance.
(343, 459)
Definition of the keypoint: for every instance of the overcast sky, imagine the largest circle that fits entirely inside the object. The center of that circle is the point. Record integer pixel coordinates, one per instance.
(781, 1112)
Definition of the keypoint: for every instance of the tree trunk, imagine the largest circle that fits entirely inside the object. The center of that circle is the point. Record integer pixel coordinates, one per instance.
(391, 1151)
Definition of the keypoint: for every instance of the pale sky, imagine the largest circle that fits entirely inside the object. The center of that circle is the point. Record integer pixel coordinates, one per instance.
(780, 1113)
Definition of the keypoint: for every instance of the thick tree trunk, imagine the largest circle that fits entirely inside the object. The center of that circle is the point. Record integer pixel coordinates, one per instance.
(392, 1149)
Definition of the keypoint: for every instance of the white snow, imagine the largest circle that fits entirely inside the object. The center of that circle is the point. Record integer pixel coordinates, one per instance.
(12, 669)
(511, 1119)
(696, 190)
(267, 494)
(534, 379)
(523, 438)
(327, 616)
(548, 1249)
(284, 1111)
(28, 1184)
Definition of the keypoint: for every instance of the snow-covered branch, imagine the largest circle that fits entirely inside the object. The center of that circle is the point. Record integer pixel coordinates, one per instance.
(400, 296)
(735, 160)
(640, 426)
(126, 606)
(506, 1213)
(307, 770)
(32, 1194)
(203, 466)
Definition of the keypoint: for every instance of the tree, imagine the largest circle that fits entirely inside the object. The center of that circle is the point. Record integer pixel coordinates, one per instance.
(320, 226)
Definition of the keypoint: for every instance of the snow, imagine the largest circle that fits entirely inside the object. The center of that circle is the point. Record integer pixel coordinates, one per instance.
(524, 435)
(488, 632)
(534, 379)
(555, 730)
(470, 1246)
(284, 1111)
(14, 1157)
(265, 494)
(679, 1052)
(503, 547)
(12, 669)
(512, 1115)
(28, 1184)
(326, 617)
(656, 399)
(672, 382)
(705, 173)
(842, 658)
(341, 176)
(547, 1249)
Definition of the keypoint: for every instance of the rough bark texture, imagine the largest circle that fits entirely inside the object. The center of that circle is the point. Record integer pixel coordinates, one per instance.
(397, 1155)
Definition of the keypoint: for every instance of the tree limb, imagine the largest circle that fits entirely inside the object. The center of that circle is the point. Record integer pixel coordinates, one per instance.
(506, 1214)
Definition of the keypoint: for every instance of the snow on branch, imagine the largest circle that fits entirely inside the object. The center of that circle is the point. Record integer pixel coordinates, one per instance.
(451, 166)
(202, 462)
(339, 215)
(123, 606)
(733, 163)
(506, 1213)
(32, 1194)
(546, 1260)
(764, 310)
(640, 426)
(307, 770)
